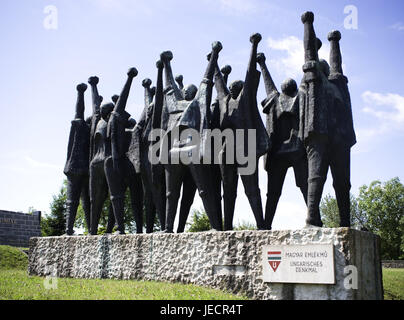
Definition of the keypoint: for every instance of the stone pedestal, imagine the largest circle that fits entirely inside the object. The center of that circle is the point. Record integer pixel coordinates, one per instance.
(233, 261)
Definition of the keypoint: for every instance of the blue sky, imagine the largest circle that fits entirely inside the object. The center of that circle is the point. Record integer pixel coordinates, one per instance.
(40, 69)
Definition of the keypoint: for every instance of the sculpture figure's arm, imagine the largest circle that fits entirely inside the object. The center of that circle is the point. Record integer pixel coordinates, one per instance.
(270, 86)
(159, 96)
(206, 86)
(335, 53)
(221, 80)
(166, 57)
(179, 79)
(123, 98)
(310, 41)
(226, 70)
(93, 81)
(252, 64)
(148, 97)
(81, 88)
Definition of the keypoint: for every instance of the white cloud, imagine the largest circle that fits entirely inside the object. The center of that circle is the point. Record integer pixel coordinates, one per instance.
(399, 26)
(386, 107)
(37, 164)
(238, 6)
(290, 65)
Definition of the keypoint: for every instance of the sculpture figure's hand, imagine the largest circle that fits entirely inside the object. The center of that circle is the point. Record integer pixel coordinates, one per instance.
(261, 57)
(132, 72)
(307, 17)
(93, 80)
(166, 56)
(159, 64)
(146, 83)
(216, 46)
(81, 87)
(255, 38)
(179, 78)
(334, 35)
(226, 70)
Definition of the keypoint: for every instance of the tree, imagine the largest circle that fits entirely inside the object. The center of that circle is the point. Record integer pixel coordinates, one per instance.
(200, 221)
(379, 208)
(330, 213)
(55, 223)
(383, 204)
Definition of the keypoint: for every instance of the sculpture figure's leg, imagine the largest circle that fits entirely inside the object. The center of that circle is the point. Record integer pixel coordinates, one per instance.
(116, 185)
(74, 186)
(318, 162)
(340, 163)
(300, 167)
(111, 219)
(85, 200)
(148, 202)
(230, 183)
(134, 182)
(253, 193)
(203, 179)
(276, 177)
(148, 191)
(174, 173)
(98, 194)
(188, 195)
(159, 194)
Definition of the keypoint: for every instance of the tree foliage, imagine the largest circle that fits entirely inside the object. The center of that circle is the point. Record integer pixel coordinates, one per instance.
(383, 204)
(379, 208)
(55, 223)
(199, 221)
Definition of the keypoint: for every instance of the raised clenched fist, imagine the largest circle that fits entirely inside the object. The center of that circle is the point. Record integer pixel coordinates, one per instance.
(159, 64)
(217, 46)
(261, 57)
(226, 69)
(179, 78)
(166, 56)
(334, 35)
(132, 72)
(255, 38)
(93, 80)
(115, 98)
(308, 17)
(81, 87)
(146, 83)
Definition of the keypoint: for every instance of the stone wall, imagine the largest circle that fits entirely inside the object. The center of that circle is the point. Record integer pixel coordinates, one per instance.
(17, 228)
(224, 260)
(393, 264)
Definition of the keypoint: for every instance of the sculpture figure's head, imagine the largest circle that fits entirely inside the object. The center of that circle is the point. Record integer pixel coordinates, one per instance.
(289, 87)
(235, 88)
(106, 110)
(325, 67)
(190, 92)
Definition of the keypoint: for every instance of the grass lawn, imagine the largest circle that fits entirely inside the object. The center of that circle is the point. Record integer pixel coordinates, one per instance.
(393, 284)
(16, 284)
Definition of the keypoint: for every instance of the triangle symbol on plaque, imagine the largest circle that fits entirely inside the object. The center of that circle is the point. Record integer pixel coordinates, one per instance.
(274, 264)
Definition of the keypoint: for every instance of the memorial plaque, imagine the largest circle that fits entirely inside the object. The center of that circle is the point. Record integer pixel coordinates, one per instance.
(312, 263)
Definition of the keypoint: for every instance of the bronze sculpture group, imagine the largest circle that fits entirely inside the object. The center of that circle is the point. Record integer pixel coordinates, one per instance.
(308, 127)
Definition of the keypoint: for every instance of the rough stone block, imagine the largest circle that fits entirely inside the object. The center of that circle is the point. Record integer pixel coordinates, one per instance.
(226, 260)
